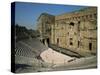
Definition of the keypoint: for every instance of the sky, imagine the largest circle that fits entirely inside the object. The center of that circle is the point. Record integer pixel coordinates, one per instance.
(26, 14)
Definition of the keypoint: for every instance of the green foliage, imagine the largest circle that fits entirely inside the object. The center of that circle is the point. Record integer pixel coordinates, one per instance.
(22, 32)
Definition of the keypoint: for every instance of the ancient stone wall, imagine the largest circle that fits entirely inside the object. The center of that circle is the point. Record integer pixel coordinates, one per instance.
(45, 22)
(76, 30)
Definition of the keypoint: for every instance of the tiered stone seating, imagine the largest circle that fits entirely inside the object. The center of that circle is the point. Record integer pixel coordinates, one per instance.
(22, 50)
(36, 45)
(27, 51)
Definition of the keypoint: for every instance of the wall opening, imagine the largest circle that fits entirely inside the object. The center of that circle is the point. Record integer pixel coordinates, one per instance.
(78, 22)
(78, 43)
(78, 25)
(71, 23)
(71, 38)
(48, 41)
(57, 41)
(71, 43)
(90, 46)
(43, 41)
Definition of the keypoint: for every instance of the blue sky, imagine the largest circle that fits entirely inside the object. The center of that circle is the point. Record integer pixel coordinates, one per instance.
(26, 14)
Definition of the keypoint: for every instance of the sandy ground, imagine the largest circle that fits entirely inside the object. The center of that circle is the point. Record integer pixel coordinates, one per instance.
(51, 56)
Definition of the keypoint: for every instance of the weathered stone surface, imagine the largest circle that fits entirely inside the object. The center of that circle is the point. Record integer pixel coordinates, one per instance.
(76, 30)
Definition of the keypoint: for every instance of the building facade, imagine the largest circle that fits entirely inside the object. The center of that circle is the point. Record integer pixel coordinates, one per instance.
(76, 31)
(45, 21)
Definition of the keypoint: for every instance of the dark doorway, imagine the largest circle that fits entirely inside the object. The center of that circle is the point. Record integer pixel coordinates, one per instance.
(71, 43)
(78, 43)
(48, 41)
(90, 46)
(71, 23)
(57, 41)
(43, 41)
(78, 25)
